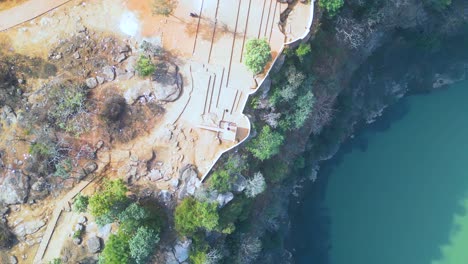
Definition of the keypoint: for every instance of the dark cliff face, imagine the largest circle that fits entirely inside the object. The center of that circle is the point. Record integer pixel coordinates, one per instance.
(369, 56)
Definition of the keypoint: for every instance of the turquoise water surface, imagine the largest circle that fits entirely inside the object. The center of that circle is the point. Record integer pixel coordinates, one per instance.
(396, 194)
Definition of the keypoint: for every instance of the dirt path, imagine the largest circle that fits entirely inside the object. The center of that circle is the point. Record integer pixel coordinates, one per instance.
(27, 11)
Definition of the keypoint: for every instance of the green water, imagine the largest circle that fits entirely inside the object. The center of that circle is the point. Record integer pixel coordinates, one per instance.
(397, 194)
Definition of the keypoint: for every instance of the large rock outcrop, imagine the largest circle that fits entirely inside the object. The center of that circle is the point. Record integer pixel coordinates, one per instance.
(168, 82)
(14, 187)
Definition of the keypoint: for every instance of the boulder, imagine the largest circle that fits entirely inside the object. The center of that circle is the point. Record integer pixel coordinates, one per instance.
(224, 198)
(8, 115)
(170, 258)
(94, 244)
(82, 220)
(108, 73)
(182, 250)
(240, 182)
(14, 187)
(28, 228)
(190, 181)
(91, 83)
(155, 175)
(141, 89)
(77, 240)
(168, 82)
(13, 260)
(90, 167)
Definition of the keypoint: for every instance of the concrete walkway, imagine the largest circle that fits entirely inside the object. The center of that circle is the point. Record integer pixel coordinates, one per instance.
(27, 11)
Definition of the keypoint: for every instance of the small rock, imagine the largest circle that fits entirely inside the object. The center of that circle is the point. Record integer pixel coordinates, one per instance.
(121, 57)
(175, 183)
(90, 167)
(20, 81)
(182, 250)
(82, 220)
(91, 83)
(76, 55)
(94, 244)
(13, 260)
(99, 144)
(79, 227)
(100, 80)
(109, 73)
(155, 175)
(77, 241)
(124, 49)
(58, 56)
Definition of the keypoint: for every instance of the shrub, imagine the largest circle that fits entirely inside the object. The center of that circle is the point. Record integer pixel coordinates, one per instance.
(255, 186)
(145, 66)
(191, 215)
(257, 54)
(331, 6)
(199, 257)
(303, 50)
(116, 250)
(81, 203)
(163, 7)
(142, 244)
(63, 168)
(55, 261)
(266, 144)
(102, 202)
(220, 180)
(68, 101)
(78, 234)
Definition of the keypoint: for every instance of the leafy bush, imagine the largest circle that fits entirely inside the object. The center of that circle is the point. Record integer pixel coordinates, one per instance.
(55, 261)
(145, 66)
(257, 54)
(191, 215)
(102, 202)
(81, 203)
(142, 244)
(331, 6)
(266, 144)
(220, 180)
(78, 234)
(303, 50)
(198, 257)
(63, 168)
(117, 250)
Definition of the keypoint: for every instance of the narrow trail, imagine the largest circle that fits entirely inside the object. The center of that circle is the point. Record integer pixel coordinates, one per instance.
(27, 11)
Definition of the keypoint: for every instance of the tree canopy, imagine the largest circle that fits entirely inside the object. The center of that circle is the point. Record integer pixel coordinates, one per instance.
(112, 193)
(331, 6)
(257, 54)
(191, 215)
(266, 144)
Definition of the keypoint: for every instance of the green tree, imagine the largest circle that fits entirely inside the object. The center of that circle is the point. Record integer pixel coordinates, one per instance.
(132, 217)
(55, 261)
(331, 6)
(220, 180)
(80, 203)
(303, 110)
(117, 250)
(143, 244)
(145, 66)
(266, 144)
(199, 257)
(191, 215)
(102, 202)
(303, 50)
(257, 54)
